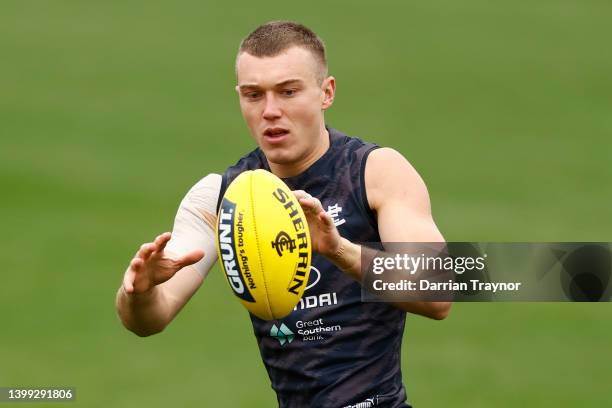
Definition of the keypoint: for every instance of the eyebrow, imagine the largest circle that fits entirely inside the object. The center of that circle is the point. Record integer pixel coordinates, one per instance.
(280, 84)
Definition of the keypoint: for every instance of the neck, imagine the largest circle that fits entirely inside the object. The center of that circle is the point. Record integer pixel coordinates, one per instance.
(284, 170)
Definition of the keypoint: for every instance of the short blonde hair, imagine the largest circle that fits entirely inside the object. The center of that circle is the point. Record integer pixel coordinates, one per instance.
(272, 38)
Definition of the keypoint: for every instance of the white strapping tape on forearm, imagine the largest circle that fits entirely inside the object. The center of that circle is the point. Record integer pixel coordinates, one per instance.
(194, 224)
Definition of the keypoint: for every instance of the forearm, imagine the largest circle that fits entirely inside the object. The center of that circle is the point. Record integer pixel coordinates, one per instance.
(348, 258)
(144, 313)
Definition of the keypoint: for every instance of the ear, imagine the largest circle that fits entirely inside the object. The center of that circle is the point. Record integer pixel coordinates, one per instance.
(329, 92)
(237, 88)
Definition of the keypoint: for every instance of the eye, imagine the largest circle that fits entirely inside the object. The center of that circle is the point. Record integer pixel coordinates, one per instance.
(289, 92)
(252, 95)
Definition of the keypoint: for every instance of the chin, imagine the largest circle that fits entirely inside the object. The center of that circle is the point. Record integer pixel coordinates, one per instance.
(280, 156)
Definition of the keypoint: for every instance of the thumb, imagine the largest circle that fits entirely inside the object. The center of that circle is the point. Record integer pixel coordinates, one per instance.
(190, 258)
(327, 220)
(130, 275)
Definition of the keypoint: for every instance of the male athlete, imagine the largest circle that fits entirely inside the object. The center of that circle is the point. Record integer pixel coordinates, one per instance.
(334, 350)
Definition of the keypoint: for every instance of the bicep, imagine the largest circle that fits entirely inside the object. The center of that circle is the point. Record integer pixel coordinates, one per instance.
(398, 222)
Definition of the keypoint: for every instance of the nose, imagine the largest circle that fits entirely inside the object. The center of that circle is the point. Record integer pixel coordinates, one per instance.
(272, 108)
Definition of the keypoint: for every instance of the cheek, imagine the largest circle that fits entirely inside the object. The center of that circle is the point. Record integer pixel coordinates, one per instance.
(249, 113)
(306, 112)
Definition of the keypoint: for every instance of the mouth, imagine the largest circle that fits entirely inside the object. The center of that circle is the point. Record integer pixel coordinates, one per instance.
(275, 135)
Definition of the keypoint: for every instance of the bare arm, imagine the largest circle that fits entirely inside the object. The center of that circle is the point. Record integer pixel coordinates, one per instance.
(398, 196)
(160, 280)
(155, 287)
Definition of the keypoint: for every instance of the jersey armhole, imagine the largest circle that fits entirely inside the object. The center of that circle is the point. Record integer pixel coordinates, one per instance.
(221, 192)
(364, 194)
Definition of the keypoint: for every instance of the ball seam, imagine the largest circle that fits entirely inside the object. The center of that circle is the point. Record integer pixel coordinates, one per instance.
(261, 268)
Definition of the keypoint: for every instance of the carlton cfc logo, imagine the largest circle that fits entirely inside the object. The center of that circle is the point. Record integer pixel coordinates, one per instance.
(283, 242)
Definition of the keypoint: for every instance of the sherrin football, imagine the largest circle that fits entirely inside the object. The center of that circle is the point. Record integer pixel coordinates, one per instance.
(263, 244)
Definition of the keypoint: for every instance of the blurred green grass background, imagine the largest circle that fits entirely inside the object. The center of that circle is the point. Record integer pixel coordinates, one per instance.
(110, 111)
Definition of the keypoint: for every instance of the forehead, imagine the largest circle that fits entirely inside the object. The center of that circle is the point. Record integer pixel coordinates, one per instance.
(294, 63)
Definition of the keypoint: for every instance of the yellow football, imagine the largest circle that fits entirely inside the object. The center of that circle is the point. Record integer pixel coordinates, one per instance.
(263, 244)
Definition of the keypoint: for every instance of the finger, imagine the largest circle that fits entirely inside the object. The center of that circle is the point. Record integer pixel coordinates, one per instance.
(146, 250)
(136, 264)
(326, 219)
(299, 193)
(141, 250)
(128, 280)
(162, 240)
(130, 275)
(190, 258)
(306, 199)
(311, 204)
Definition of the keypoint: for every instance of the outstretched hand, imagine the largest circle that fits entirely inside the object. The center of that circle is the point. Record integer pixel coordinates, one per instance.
(324, 235)
(152, 265)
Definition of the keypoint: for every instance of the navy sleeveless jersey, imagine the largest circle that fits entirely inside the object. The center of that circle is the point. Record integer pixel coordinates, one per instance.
(333, 350)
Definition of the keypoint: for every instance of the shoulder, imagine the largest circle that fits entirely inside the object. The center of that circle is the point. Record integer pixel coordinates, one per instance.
(350, 153)
(210, 180)
(351, 145)
(205, 192)
(200, 202)
(389, 176)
